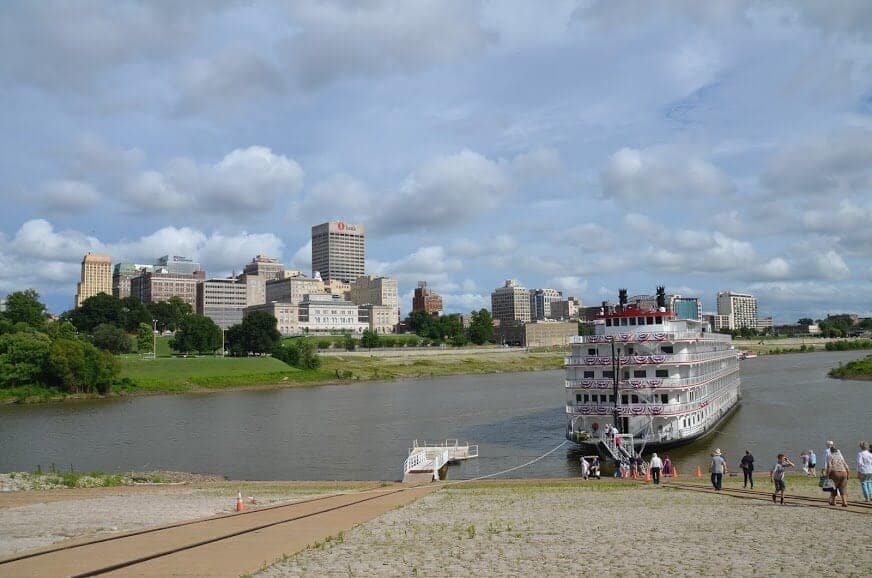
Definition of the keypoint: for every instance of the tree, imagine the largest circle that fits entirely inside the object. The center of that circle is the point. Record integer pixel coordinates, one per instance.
(77, 366)
(111, 338)
(349, 343)
(805, 321)
(196, 333)
(300, 353)
(23, 358)
(145, 338)
(585, 328)
(450, 328)
(133, 313)
(169, 313)
(424, 324)
(60, 330)
(256, 334)
(370, 339)
(481, 327)
(25, 307)
(97, 310)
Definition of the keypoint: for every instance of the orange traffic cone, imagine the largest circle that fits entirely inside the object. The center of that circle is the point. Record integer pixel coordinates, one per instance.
(698, 472)
(240, 505)
(647, 476)
(633, 472)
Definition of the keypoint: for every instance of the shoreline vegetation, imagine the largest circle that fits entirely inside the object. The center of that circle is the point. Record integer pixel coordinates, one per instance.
(168, 374)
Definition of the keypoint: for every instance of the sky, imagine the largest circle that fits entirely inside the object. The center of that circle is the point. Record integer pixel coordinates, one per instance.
(581, 145)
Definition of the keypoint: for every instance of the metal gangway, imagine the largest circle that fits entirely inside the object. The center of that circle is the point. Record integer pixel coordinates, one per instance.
(426, 461)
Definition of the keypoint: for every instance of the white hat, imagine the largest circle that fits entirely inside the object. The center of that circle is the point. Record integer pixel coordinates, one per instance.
(718, 452)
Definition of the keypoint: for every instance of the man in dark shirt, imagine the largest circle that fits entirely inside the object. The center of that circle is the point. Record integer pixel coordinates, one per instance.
(748, 468)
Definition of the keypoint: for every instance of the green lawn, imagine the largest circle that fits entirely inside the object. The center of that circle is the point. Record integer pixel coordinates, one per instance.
(184, 374)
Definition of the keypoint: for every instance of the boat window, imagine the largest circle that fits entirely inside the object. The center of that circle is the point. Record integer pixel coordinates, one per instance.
(591, 350)
(608, 373)
(661, 373)
(650, 321)
(667, 349)
(630, 350)
(640, 373)
(612, 398)
(625, 399)
(624, 321)
(588, 374)
(664, 398)
(602, 398)
(626, 374)
(608, 322)
(577, 398)
(635, 399)
(632, 320)
(585, 398)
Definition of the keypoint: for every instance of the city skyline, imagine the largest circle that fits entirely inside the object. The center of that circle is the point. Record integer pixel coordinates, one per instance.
(520, 145)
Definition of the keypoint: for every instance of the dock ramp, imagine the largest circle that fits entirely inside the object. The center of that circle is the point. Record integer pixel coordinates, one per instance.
(428, 462)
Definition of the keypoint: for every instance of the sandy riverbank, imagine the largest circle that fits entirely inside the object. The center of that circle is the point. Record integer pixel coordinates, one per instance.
(608, 528)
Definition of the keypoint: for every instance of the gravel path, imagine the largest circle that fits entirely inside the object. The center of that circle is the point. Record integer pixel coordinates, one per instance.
(602, 530)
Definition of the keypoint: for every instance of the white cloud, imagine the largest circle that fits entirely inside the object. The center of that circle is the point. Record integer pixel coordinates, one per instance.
(464, 302)
(571, 285)
(658, 175)
(302, 259)
(338, 192)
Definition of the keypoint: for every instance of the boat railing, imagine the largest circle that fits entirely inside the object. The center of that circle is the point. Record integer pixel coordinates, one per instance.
(661, 359)
(639, 409)
(649, 382)
(649, 336)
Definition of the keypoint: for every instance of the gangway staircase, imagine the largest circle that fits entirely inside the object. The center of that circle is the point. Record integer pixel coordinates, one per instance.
(429, 462)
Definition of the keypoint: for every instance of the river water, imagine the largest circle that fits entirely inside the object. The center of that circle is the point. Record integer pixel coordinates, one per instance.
(362, 431)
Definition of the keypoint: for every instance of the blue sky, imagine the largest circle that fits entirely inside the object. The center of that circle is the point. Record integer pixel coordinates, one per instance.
(580, 145)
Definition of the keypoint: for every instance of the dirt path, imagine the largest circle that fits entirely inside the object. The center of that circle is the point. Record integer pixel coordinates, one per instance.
(221, 546)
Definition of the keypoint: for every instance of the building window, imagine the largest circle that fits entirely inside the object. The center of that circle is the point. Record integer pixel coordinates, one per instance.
(640, 373)
(588, 374)
(667, 349)
(608, 373)
(661, 373)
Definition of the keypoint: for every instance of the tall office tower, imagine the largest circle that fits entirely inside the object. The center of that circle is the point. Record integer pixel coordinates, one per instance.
(687, 307)
(222, 300)
(265, 267)
(511, 302)
(96, 277)
(338, 251)
(122, 273)
(741, 308)
(178, 265)
(425, 300)
(540, 303)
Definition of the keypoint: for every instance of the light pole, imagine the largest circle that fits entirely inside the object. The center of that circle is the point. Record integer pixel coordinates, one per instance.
(223, 331)
(154, 339)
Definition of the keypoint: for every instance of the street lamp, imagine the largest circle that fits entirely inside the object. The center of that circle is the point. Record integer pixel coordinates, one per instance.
(154, 339)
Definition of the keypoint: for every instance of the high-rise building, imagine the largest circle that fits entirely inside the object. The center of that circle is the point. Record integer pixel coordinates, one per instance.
(293, 289)
(96, 277)
(741, 308)
(567, 309)
(178, 265)
(687, 307)
(221, 300)
(338, 251)
(265, 267)
(425, 300)
(122, 273)
(159, 285)
(717, 322)
(511, 302)
(540, 303)
(370, 290)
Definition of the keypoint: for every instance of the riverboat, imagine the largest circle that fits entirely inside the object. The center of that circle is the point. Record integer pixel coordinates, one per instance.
(659, 380)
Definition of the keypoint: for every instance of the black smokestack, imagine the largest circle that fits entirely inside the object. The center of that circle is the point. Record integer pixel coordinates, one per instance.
(661, 297)
(622, 298)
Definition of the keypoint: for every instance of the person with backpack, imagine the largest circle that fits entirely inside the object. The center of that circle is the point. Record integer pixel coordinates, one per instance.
(747, 465)
(778, 474)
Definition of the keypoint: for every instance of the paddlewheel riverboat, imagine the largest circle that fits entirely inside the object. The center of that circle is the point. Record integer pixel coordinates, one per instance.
(660, 381)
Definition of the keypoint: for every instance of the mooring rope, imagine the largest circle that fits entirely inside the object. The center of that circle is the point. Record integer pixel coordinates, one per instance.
(524, 465)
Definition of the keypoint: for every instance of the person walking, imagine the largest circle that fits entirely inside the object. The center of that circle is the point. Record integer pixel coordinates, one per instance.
(864, 470)
(656, 465)
(667, 466)
(778, 474)
(839, 472)
(585, 469)
(747, 465)
(812, 463)
(804, 457)
(717, 468)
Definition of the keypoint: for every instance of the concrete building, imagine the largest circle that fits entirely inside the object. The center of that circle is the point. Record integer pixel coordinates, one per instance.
(566, 309)
(96, 277)
(159, 285)
(425, 300)
(540, 303)
(179, 265)
(538, 334)
(293, 289)
(287, 316)
(511, 302)
(717, 322)
(370, 290)
(741, 308)
(381, 319)
(765, 325)
(338, 250)
(686, 307)
(222, 300)
(255, 288)
(338, 287)
(324, 313)
(265, 267)
(122, 273)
